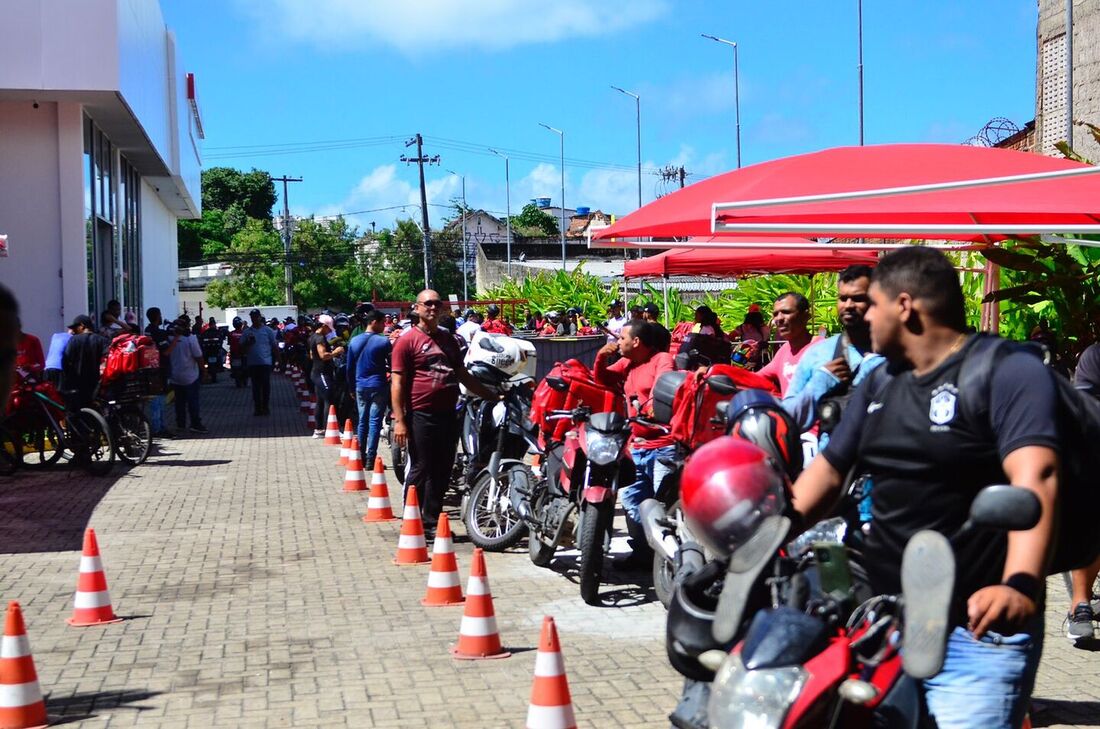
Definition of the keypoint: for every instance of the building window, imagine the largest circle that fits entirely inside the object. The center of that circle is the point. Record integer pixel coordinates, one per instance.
(1053, 93)
(112, 210)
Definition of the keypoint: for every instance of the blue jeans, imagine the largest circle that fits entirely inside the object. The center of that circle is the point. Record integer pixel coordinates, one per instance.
(985, 683)
(649, 473)
(372, 404)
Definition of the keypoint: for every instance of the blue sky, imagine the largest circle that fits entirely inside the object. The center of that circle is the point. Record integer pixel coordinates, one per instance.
(340, 84)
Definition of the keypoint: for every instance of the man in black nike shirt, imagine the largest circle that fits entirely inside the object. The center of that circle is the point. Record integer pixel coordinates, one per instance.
(927, 466)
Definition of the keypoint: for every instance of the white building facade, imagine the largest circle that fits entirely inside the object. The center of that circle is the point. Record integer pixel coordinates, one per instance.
(100, 141)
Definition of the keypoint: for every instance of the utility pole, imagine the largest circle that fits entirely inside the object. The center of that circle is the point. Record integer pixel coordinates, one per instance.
(859, 14)
(288, 269)
(736, 87)
(560, 134)
(421, 160)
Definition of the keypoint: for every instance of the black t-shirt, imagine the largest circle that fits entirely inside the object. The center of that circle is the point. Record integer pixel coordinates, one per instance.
(927, 465)
(80, 367)
(321, 368)
(1088, 369)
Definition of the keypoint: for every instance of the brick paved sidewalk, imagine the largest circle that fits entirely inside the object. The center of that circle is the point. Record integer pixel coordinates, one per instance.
(255, 596)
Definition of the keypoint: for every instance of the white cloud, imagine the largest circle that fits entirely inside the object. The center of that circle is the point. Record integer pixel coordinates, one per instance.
(432, 25)
(383, 188)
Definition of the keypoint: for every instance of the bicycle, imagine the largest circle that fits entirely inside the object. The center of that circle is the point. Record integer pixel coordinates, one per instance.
(47, 427)
(122, 404)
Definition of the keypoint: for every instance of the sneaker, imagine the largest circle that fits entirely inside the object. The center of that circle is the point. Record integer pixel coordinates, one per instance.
(318, 434)
(199, 428)
(1079, 622)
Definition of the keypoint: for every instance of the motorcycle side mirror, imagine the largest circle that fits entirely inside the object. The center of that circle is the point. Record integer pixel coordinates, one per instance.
(1006, 508)
(557, 383)
(721, 384)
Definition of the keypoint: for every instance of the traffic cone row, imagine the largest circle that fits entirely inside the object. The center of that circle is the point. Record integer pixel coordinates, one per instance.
(551, 705)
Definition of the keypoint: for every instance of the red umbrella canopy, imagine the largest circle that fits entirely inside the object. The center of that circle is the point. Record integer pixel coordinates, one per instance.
(974, 212)
(723, 263)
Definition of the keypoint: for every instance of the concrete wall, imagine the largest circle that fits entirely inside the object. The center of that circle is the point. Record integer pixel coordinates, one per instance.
(29, 184)
(1086, 70)
(159, 257)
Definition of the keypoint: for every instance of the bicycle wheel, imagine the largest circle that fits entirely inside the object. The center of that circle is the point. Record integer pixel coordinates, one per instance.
(132, 434)
(42, 444)
(94, 450)
(11, 453)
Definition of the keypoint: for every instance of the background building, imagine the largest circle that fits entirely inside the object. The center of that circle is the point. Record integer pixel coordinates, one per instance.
(1050, 82)
(100, 138)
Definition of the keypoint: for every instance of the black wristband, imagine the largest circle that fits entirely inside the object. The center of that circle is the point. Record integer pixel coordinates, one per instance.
(1025, 584)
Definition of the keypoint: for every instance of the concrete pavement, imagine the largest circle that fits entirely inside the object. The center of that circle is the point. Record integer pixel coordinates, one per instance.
(254, 596)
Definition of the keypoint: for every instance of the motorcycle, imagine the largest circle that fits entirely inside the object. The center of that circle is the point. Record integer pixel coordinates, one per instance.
(695, 407)
(213, 354)
(583, 475)
(810, 660)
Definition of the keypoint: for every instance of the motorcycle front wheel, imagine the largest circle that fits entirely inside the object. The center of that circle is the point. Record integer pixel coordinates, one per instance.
(663, 570)
(595, 524)
(541, 554)
(495, 526)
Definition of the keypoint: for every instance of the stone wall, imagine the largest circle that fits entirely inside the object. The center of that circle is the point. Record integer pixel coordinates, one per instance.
(1050, 106)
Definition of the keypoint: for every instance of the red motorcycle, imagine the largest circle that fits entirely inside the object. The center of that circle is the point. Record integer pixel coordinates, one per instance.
(810, 647)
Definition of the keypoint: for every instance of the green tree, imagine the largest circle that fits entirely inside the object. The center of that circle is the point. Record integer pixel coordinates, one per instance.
(230, 198)
(534, 223)
(397, 266)
(256, 254)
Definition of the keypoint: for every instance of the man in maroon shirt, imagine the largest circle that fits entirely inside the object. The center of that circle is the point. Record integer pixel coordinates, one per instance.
(427, 369)
(643, 361)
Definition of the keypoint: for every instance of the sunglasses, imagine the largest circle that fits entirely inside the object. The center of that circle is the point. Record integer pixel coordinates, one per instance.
(434, 303)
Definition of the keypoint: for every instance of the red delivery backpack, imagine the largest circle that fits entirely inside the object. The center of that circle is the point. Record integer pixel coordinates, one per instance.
(127, 355)
(568, 385)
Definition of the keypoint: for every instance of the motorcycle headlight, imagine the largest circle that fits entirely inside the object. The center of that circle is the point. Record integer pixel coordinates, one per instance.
(603, 449)
(743, 699)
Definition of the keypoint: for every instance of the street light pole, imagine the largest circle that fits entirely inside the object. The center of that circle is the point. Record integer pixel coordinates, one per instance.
(736, 88)
(638, 116)
(859, 14)
(465, 275)
(508, 207)
(561, 135)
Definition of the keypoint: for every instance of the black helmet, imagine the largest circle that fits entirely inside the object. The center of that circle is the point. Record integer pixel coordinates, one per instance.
(757, 417)
(690, 617)
(492, 310)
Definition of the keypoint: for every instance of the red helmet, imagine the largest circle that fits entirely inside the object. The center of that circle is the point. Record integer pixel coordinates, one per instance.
(727, 487)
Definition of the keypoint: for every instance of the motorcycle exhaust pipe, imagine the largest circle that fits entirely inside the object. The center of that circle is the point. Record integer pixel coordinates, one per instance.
(652, 513)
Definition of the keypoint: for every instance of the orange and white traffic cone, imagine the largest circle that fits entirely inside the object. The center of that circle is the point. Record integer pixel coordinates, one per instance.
(536, 466)
(444, 583)
(311, 422)
(411, 547)
(378, 503)
(354, 478)
(345, 444)
(92, 604)
(478, 637)
(551, 706)
(21, 704)
(304, 403)
(332, 427)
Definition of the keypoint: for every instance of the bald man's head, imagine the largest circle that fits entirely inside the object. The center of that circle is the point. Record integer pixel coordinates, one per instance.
(430, 307)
